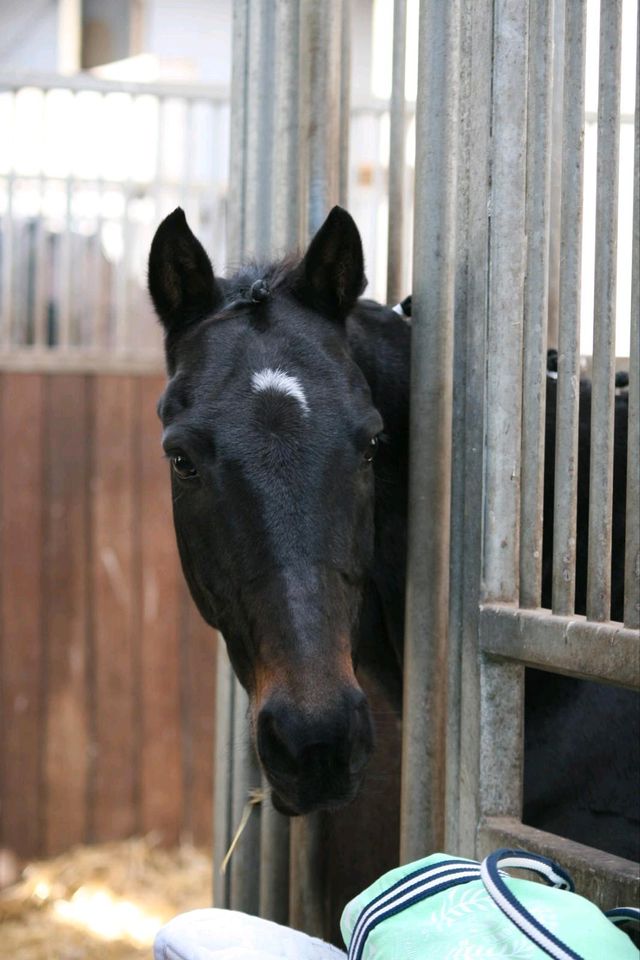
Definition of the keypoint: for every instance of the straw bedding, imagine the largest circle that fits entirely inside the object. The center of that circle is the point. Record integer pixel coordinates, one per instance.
(105, 901)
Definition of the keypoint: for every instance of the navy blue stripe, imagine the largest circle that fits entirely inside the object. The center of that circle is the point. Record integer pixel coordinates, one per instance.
(396, 908)
(624, 915)
(492, 868)
(419, 874)
(564, 874)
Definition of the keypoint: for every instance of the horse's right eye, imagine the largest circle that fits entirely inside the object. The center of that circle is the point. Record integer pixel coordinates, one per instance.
(183, 467)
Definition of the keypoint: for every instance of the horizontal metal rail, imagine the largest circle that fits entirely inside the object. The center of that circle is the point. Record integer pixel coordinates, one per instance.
(605, 879)
(83, 82)
(604, 652)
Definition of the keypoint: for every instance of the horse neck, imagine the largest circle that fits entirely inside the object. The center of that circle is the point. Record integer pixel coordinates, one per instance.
(380, 345)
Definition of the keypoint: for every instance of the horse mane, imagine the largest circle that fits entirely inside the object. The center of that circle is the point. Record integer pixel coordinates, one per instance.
(264, 277)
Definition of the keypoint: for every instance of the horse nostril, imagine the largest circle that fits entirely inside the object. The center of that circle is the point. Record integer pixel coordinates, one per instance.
(278, 755)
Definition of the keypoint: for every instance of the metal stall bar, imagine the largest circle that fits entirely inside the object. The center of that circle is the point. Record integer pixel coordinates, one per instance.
(397, 139)
(632, 544)
(501, 684)
(259, 129)
(345, 100)
(285, 218)
(222, 827)
(244, 774)
(604, 355)
(566, 453)
(536, 300)
(463, 712)
(320, 124)
(425, 658)
(284, 235)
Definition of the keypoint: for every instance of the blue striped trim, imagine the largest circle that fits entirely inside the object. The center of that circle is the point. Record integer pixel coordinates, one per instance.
(624, 915)
(514, 910)
(411, 889)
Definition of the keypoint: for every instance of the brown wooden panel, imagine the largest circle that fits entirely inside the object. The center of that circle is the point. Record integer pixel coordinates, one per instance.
(21, 475)
(113, 814)
(66, 621)
(200, 686)
(161, 774)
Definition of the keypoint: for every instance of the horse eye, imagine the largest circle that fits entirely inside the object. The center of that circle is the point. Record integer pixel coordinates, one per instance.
(183, 467)
(371, 450)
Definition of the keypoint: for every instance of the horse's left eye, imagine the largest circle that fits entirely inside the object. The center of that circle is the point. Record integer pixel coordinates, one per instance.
(183, 467)
(371, 450)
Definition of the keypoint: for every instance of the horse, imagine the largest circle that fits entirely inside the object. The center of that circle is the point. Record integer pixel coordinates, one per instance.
(285, 421)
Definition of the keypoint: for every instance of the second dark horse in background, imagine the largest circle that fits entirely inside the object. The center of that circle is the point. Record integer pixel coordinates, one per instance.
(286, 424)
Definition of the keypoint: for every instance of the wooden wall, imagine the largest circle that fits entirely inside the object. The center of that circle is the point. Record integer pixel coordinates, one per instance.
(107, 673)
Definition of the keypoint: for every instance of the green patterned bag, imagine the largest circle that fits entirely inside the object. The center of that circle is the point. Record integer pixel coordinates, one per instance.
(449, 908)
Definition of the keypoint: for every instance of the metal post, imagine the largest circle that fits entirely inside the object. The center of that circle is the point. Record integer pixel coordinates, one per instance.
(397, 138)
(463, 712)
(285, 220)
(345, 103)
(259, 129)
(604, 353)
(539, 120)
(222, 775)
(238, 134)
(566, 454)
(245, 777)
(423, 756)
(632, 544)
(501, 684)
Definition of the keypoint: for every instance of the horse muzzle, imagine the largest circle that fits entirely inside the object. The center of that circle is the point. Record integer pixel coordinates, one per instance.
(314, 760)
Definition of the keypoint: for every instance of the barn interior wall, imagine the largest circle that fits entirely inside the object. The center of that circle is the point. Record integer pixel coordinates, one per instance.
(107, 672)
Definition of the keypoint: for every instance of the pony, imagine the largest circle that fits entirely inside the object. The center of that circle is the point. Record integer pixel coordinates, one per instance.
(285, 421)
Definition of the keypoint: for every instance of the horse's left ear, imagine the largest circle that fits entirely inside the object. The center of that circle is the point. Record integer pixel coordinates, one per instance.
(181, 281)
(331, 277)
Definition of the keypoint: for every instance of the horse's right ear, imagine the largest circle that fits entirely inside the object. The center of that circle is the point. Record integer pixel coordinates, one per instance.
(181, 281)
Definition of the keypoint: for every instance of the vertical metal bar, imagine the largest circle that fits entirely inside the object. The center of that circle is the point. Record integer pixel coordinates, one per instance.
(506, 303)
(64, 332)
(274, 862)
(222, 774)
(604, 355)
(539, 119)
(285, 219)
(501, 685)
(259, 132)
(345, 103)
(40, 298)
(321, 37)
(397, 138)
(632, 542)
(7, 243)
(556, 174)
(244, 882)
(238, 134)
(422, 792)
(306, 888)
(568, 388)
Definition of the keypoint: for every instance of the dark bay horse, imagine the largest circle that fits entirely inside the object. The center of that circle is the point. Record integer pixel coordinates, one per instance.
(286, 425)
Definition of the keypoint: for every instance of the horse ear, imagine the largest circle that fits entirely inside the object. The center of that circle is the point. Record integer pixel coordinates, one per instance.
(181, 281)
(331, 275)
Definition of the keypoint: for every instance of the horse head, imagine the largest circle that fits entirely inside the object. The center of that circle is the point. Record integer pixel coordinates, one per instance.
(270, 430)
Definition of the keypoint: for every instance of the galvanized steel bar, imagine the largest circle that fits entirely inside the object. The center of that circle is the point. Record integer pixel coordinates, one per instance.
(506, 294)
(566, 453)
(345, 103)
(501, 684)
(600, 877)
(557, 140)
(425, 671)
(306, 890)
(397, 138)
(536, 304)
(274, 861)
(238, 134)
(463, 709)
(222, 774)
(632, 529)
(7, 266)
(259, 129)
(321, 97)
(245, 876)
(285, 200)
(604, 326)
(569, 645)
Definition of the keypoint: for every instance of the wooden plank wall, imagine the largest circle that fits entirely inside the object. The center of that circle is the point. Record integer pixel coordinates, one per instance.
(107, 672)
